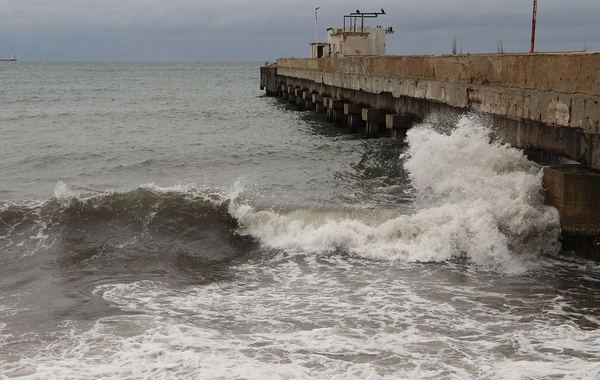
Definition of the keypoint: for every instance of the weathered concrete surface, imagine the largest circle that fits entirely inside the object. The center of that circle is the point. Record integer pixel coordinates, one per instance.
(268, 79)
(573, 190)
(352, 109)
(555, 89)
(559, 90)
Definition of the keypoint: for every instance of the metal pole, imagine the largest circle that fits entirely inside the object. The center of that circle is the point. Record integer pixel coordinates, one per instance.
(316, 34)
(533, 20)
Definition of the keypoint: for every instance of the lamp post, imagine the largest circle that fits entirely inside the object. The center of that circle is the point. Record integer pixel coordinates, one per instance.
(533, 20)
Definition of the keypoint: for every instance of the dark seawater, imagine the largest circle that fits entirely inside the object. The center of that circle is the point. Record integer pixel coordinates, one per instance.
(169, 221)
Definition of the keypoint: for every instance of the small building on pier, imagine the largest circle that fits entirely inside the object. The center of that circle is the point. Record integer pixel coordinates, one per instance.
(354, 38)
(364, 41)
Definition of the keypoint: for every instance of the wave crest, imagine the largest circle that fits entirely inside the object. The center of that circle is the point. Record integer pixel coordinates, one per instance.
(476, 200)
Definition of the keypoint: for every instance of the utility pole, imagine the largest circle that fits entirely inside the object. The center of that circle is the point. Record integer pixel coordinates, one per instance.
(532, 47)
(316, 30)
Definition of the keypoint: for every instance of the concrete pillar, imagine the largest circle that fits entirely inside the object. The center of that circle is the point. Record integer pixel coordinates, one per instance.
(354, 114)
(326, 105)
(373, 117)
(299, 98)
(398, 124)
(336, 107)
(318, 101)
(292, 94)
(575, 192)
(308, 102)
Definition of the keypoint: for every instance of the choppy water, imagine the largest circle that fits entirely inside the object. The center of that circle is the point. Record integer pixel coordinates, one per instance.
(168, 221)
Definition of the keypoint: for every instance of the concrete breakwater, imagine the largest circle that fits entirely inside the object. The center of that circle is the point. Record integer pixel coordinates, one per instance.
(544, 103)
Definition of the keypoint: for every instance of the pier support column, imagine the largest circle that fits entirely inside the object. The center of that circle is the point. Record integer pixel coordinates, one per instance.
(308, 102)
(575, 192)
(326, 105)
(354, 114)
(292, 94)
(318, 101)
(373, 117)
(284, 91)
(398, 124)
(336, 107)
(299, 99)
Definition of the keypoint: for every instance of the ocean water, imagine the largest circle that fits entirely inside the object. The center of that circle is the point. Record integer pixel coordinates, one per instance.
(169, 221)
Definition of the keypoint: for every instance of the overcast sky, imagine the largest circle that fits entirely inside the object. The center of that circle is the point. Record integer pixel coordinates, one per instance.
(261, 30)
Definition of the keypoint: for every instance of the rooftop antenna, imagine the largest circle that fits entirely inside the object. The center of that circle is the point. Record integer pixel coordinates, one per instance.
(362, 15)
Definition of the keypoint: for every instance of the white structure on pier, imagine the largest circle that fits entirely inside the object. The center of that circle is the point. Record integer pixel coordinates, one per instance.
(353, 39)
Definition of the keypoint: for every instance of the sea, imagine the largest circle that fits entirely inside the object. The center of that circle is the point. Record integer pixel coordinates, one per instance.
(171, 221)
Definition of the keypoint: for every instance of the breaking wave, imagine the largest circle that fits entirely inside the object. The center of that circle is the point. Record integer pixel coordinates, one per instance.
(485, 204)
(475, 200)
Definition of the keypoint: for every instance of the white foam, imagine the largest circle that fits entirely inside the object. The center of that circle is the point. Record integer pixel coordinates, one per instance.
(479, 200)
(331, 318)
(191, 190)
(67, 194)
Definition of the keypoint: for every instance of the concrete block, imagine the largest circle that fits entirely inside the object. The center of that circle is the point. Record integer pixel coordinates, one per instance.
(317, 98)
(575, 192)
(335, 104)
(396, 121)
(373, 114)
(352, 109)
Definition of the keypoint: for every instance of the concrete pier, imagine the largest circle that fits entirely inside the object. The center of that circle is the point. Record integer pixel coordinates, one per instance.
(299, 95)
(354, 114)
(336, 111)
(546, 102)
(573, 190)
(308, 100)
(291, 91)
(398, 124)
(318, 101)
(374, 118)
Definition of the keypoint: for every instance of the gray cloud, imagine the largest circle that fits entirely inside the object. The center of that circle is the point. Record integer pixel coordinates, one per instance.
(266, 29)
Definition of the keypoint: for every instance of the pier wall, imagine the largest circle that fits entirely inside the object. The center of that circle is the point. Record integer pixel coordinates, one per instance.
(546, 103)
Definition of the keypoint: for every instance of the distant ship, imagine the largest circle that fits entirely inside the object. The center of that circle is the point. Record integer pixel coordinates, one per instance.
(12, 59)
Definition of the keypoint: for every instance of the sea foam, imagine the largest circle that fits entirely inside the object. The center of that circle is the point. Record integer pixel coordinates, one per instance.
(475, 199)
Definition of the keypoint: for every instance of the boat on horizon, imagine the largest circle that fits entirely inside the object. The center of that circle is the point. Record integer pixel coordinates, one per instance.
(12, 59)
